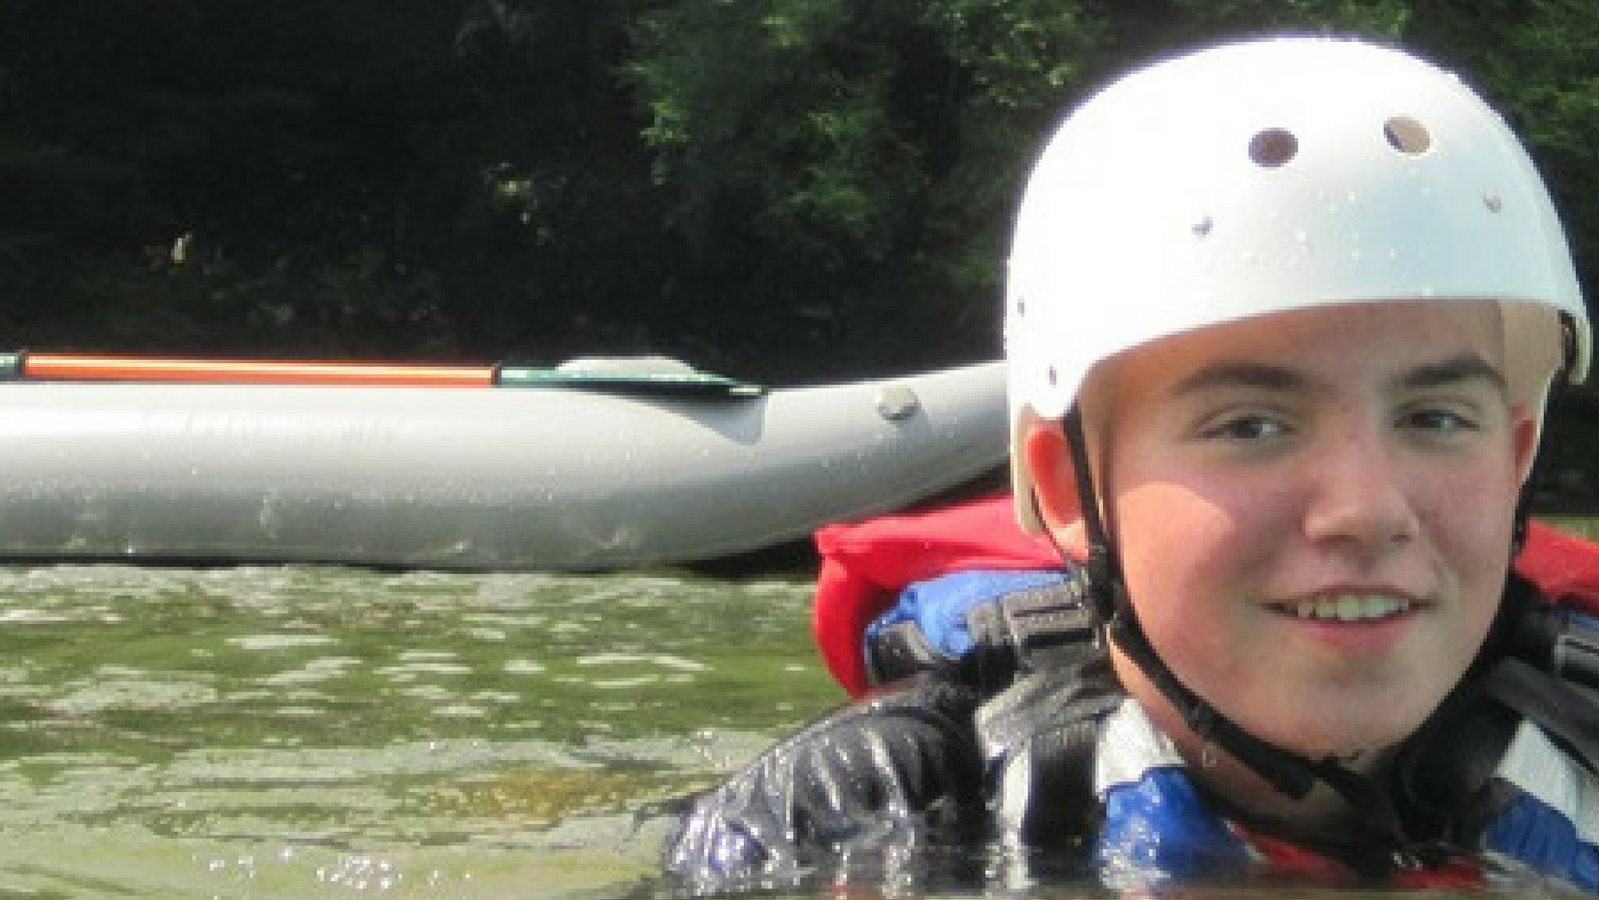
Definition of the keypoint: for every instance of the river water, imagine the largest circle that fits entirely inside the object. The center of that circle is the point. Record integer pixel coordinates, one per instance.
(305, 732)
(324, 732)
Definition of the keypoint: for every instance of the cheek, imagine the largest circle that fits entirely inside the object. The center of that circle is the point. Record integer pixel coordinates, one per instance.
(1186, 551)
(1469, 518)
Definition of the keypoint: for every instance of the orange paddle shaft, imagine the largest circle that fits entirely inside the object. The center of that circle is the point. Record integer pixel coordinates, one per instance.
(72, 367)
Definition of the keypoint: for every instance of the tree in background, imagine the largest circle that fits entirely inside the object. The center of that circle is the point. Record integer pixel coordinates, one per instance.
(869, 151)
(385, 178)
(782, 189)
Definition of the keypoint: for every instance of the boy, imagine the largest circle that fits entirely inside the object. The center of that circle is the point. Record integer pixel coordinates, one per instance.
(1281, 321)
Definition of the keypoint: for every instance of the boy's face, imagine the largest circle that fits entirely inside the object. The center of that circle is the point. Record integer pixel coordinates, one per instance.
(1314, 509)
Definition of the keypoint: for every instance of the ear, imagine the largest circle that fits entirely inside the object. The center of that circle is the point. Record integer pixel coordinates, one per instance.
(1524, 434)
(1049, 466)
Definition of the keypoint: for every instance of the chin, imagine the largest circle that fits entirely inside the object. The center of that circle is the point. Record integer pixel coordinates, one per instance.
(1338, 723)
(1333, 735)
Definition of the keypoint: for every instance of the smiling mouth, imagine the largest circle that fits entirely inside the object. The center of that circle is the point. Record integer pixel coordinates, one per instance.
(1347, 609)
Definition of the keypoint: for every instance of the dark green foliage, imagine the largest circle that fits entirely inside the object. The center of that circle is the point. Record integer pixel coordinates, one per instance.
(389, 178)
(775, 188)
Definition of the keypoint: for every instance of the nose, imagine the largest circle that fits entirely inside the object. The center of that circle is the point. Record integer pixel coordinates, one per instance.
(1358, 501)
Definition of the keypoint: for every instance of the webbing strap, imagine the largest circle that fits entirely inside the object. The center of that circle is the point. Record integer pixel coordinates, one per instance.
(1567, 712)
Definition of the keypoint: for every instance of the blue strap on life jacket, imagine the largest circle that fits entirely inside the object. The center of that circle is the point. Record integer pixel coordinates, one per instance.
(939, 607)
(1545, 839)
(1159, 828)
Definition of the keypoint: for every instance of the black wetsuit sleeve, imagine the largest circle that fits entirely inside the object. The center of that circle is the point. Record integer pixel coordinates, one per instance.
(887, 771)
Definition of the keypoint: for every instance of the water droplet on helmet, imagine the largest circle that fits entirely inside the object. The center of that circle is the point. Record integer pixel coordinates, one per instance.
(1493, 201)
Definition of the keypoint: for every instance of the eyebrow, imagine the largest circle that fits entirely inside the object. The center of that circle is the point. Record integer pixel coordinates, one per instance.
(1455, 369)
(1240, 374)
(1463, 367)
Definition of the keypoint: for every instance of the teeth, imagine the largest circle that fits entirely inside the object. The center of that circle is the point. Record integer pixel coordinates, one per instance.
(1351, 609)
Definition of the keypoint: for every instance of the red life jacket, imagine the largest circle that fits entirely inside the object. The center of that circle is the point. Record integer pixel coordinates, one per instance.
(865, 566)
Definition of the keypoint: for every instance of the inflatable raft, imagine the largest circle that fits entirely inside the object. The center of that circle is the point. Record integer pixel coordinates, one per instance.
(474, 468)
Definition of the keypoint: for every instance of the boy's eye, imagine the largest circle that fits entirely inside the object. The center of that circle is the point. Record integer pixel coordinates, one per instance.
(1438, 420)
(1247, 428)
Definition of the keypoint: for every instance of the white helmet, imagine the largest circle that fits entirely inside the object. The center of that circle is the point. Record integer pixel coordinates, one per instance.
(1267, 176)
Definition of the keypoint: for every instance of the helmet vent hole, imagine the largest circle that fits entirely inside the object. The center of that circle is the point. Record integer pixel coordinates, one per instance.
(1273, 148)
(1407, 135)
(1054, 377)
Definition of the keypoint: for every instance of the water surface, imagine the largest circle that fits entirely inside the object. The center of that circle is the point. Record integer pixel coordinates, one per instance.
(305, 732)
(328, 732)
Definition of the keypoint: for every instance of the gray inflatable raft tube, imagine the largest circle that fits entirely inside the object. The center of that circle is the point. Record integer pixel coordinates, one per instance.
(550, 478)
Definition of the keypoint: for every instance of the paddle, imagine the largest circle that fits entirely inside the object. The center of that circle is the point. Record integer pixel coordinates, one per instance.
(641, 376)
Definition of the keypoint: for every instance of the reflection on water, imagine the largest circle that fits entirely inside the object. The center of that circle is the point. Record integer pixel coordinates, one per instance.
(322, 732)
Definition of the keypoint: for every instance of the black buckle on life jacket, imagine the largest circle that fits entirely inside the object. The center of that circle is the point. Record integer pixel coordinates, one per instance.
(1557, 642)
(1030, 630)
(1012, 634)
(901, 651)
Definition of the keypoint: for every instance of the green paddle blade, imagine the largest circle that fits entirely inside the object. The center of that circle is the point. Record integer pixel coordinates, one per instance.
(677, 383)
